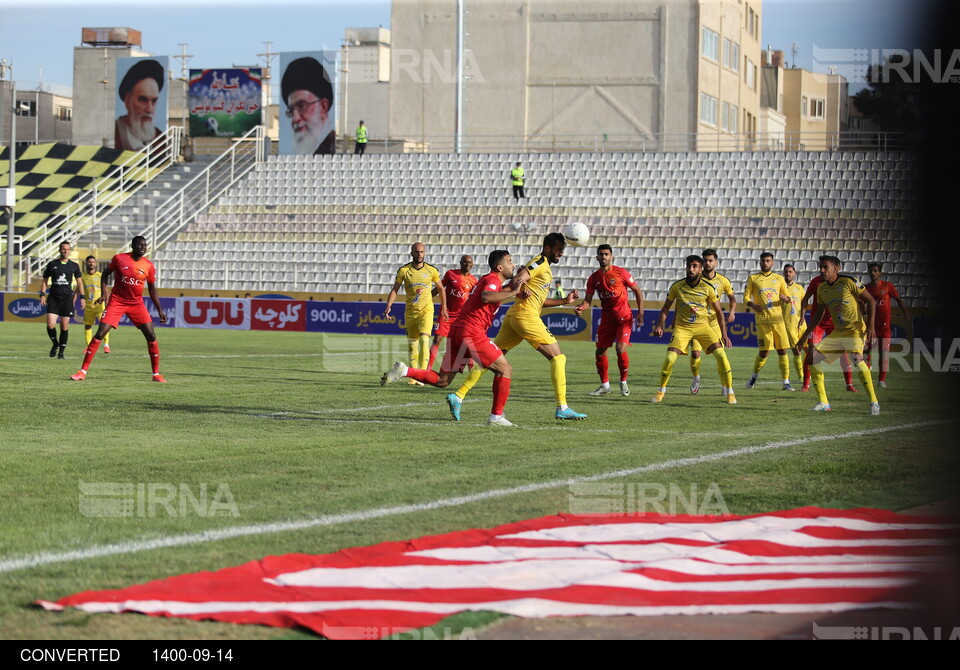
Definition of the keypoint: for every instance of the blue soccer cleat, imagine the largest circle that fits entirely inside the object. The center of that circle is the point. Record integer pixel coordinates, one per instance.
(569, 414)
(453, 402)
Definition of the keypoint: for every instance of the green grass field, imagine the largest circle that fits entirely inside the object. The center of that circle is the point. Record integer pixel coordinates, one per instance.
(298, 428)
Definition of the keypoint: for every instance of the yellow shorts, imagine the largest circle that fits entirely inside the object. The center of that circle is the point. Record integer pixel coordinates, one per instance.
(92, 313)
(795, 332)
(515, 329)
(684, 335)
(772, 336)
(695, 344)
(838, 342)
(418, 323)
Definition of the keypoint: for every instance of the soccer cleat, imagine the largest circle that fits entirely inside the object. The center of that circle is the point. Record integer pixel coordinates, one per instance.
(804, 388)
(731, 399)
(753, 380)
(787, 387)
(851, 389)
(821, 407)
(53, 350)
(106, 349)
(875, 408)
(600, 390)
(394, 374)
(60, 353)
(883, 385)
(80, 376)
(658, 397)
(498, 420)
(454, 403)
(695, 385)
(624, 389)
(157, 377)
(569, 414)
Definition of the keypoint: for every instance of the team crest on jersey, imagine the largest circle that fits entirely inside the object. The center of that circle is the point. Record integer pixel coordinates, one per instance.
(612, 282)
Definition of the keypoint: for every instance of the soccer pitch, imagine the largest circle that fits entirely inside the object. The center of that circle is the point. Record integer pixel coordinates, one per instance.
(301, 450)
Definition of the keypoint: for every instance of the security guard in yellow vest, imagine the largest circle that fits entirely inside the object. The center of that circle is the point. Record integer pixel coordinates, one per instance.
(361, 139)
(516, 177)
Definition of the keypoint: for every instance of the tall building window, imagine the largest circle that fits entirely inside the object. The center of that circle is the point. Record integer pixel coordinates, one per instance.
(750, 73)
(708, 109)
(803, 105)
(26, 108)
(731, 55)
(729, 118)
(64, 113)
(817, 108)
(711, 45)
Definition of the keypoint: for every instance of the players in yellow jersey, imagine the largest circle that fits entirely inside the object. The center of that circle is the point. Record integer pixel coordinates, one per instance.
(695, 300)
(765, 292)
(522, 322)
(841, 295)
(95, 307)
(792, 316)
(419, 278)
(723, 287)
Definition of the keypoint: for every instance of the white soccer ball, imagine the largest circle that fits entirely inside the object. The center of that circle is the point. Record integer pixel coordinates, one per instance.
(577, 234)
(211, 126)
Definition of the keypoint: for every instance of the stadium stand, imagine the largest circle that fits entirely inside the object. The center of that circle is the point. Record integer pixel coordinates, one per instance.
(338, 224)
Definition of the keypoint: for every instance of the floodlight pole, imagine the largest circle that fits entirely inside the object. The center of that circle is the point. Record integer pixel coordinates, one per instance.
(11, 218)
(458, 114)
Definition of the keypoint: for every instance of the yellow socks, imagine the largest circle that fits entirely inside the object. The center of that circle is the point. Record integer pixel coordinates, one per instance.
(423, 355)
(784, 367)
(867, 379)
(816, 375)
(667, 368)
(558, 375)
(723, 368)
(470, 381)
(758, 364)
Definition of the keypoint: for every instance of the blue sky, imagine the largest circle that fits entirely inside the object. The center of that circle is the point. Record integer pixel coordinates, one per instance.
(35, 33)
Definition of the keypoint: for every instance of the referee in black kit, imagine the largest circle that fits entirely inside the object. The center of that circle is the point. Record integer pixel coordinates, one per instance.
(63, 294)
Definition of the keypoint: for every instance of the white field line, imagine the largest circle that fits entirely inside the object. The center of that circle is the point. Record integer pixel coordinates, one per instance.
(45, 558)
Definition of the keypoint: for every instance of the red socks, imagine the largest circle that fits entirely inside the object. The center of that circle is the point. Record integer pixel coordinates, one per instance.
(501, 391)
(623, 362)
(91, 352)
(154, 349)
(433, 355)
(602, 368)
(425, 376)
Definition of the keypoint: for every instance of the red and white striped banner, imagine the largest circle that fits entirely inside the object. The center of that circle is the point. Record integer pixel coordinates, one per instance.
(804, 560)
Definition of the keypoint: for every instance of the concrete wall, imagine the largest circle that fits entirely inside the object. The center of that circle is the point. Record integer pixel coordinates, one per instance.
(45, 126)
(545, 69)
(93, 100)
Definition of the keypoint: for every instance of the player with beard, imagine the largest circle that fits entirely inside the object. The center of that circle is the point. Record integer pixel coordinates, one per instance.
(308, 95)
(468, 338)
(131, 271)
(140, 91)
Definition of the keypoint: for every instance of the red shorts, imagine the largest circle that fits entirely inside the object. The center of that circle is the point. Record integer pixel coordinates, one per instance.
(882, 330)
(137, 312)
(613, 329)
(818, 333)
(464, 346)
(444, 325)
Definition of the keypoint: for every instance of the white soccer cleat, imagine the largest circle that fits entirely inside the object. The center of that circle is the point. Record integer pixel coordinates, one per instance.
(874, 408)
(395, 374)
(600, 390)
(787, 387)
(695, 385)
(498, 420)
(883, 385)
(821, 407)
(624, 389)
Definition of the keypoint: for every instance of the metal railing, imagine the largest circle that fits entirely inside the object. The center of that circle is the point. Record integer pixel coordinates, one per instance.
(656, 142)
(198, 194)
(40, 244)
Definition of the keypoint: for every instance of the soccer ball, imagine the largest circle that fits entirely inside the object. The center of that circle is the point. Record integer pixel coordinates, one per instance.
(211, 126)
(577, 234)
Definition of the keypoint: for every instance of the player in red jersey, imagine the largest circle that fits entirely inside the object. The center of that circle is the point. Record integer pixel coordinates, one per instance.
(610, 283)
(820, 332)
(131, 271)
(882, 292)
(457, 285)
(468, 340)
